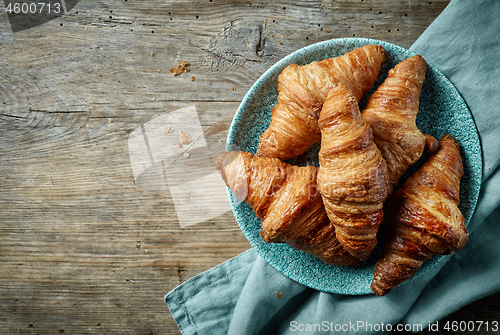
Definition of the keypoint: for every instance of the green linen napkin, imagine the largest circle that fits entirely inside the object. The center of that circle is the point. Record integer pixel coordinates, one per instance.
(245, 295)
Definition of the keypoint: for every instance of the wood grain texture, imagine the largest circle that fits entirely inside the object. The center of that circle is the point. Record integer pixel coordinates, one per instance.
(83, 250)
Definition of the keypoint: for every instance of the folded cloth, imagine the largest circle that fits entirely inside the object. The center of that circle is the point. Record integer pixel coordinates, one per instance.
(245, 295)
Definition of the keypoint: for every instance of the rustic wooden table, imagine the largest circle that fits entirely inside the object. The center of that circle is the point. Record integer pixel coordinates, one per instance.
(85, 248)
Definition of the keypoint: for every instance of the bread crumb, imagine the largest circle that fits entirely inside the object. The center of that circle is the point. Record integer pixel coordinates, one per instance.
(181, 67)
(179, 145)
(192, 78)
(185, 138)
(280, 295)
(169, 131)
(159, 70)
(234, 88)
(152, 54)
(186, 155)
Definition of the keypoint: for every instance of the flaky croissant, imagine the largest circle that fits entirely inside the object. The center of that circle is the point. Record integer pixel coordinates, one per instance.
(392, 110)
(302, 91)
(352, 176)
(422, 218)
(286, 199)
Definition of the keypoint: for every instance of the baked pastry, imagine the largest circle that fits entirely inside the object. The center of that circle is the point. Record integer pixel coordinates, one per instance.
(286, 199)
(302, 91)
(392, 110)
(352, 177)
(422, 218)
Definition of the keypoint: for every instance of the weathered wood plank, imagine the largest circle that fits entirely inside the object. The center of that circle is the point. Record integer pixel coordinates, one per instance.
(72, 217)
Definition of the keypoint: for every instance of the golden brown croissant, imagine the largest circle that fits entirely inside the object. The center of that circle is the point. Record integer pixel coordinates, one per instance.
(302, 91)
(392, 110)
(352, 177)
(422, 218)
(286, 199)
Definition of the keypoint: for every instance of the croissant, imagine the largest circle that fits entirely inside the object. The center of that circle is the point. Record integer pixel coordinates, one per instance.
(392, 110)
(422, 218)
(302, 91)
(286, 199)
(352, 177)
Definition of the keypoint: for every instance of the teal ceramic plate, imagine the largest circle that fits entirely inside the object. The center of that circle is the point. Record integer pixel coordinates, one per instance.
(442, 110)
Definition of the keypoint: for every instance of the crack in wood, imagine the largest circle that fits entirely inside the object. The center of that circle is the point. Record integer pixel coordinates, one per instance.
(45, 111)
(180, 271)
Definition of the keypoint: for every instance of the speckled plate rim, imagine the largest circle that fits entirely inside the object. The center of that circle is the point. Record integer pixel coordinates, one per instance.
(252, 118)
